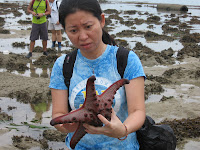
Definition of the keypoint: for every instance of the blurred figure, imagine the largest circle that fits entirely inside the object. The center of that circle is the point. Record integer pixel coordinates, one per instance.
(54, 24)
(39, 9)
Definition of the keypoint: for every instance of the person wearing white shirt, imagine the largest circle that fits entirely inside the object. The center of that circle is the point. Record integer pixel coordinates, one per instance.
(54, 24)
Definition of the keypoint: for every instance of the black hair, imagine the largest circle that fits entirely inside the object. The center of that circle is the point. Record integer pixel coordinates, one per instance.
(71, 6)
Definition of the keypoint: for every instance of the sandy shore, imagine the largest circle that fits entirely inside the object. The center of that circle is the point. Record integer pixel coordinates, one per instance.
(172, 87)
(184, 92)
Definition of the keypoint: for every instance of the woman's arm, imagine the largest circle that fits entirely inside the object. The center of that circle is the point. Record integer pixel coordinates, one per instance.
(59, 108)
(136, 104)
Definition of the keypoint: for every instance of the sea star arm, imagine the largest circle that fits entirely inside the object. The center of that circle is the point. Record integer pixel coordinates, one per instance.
(79, 133)
(79, 115)
(85, 114)
(111, 91)
(106, 98)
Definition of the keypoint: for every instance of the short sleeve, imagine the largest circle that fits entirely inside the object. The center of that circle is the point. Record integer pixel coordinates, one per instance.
(57, 78)
(134, 67)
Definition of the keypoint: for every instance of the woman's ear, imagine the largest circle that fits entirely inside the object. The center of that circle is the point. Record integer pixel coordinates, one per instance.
(102, 20)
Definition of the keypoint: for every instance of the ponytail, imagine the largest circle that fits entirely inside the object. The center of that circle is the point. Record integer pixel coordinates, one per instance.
(107, 39)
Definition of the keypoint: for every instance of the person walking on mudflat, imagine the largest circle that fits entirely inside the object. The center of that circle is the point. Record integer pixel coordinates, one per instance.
(39, 9)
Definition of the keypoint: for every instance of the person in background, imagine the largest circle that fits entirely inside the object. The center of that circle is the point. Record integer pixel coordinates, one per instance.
(83, 22)
(54, 24)
(39, 9)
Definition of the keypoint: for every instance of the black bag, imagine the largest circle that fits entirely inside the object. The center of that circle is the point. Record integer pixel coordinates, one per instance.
(156, 137)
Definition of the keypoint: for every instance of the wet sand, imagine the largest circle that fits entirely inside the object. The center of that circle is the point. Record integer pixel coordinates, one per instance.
(172, 87)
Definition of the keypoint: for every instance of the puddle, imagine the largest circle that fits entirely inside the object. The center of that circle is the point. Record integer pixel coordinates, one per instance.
(20, 113)
(192, 145)
(185, 87)
(7, 45)
(175, 45)
(183, 93)
(192, 98)
(32, 72)
(11, 23)
(28, 113)
(156, 98)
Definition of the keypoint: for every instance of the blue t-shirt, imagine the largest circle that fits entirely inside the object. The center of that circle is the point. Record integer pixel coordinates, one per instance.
(106, 73)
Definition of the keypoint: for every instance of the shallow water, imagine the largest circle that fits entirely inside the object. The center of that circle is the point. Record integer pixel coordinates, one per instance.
(33, 71)
(173, 93)
(29, 113)
(11, 23)
(121, 6)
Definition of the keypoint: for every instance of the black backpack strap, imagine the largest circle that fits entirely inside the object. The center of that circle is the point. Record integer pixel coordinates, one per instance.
(57, 4)
(68, 66)
(122, 57)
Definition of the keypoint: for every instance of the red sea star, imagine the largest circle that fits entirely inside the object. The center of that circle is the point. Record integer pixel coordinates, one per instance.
(92, 106)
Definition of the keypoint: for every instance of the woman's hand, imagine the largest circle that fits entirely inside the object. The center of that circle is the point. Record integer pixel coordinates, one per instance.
(67, 128)
(113, 128)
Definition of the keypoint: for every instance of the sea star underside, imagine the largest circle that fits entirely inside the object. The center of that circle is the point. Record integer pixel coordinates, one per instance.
(92, 106)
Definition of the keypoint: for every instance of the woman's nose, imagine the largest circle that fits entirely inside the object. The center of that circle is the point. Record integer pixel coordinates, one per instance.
(83, 35)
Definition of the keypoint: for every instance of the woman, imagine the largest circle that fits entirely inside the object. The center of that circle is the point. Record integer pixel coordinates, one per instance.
(83, 22)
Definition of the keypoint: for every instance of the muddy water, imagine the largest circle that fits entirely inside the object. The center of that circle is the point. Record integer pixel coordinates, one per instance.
(38, 115)
(34, 71)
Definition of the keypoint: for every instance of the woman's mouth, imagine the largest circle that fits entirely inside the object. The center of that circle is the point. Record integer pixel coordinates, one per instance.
(86, 46)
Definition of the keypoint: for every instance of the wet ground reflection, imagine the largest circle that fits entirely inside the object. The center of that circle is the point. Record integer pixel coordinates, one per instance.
(27, 120)
(33, 71)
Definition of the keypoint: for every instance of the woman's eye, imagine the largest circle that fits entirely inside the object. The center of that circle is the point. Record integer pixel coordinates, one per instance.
(89, 26)
(73, 31)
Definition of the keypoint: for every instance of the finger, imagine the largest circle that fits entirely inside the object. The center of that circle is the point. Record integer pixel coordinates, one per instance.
(90, 132)
(114, 115)
(94, 130)
(103, 120)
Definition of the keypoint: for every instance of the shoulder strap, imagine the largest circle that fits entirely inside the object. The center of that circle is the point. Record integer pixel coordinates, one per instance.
(34, 1)
(68, 66)
(122, 57)
(57, 4)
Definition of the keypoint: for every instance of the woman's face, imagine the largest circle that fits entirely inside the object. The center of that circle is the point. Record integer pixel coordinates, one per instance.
(85, 31)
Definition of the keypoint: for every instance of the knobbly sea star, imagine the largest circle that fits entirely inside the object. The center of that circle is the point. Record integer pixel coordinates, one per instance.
(92, 106)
